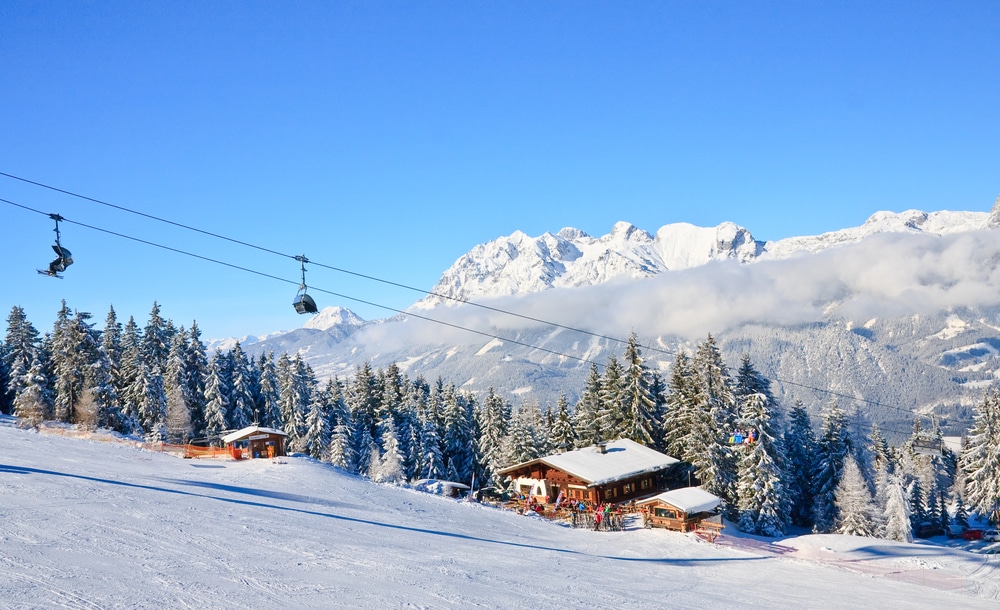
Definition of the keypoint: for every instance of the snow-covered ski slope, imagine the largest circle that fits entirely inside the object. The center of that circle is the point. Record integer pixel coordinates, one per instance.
(91, 524)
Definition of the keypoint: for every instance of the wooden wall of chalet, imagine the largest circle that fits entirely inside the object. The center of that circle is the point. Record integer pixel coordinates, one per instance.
(575, 489)
(258, 445)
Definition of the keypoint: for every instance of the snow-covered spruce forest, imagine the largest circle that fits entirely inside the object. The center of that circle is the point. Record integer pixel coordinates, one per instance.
(158, 382)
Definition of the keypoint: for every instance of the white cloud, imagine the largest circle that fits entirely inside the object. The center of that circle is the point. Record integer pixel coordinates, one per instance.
(885, 275)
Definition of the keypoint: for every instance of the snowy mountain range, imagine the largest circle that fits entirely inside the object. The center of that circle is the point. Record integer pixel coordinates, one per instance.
(901, 313)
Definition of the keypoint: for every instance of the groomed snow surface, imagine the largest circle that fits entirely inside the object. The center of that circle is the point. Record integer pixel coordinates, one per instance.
(97, 524)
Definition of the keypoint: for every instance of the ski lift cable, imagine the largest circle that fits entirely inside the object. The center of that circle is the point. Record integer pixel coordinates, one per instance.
(856, 399)
(317, 264)
(330, 292)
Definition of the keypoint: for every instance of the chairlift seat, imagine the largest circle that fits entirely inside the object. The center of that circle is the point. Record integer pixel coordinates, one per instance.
(927, 446)
(304, 303)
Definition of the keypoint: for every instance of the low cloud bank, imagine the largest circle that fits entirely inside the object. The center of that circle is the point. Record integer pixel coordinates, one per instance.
(887, 275)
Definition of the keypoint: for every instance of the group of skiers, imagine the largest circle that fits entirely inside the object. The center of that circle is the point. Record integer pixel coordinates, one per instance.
(743, 437)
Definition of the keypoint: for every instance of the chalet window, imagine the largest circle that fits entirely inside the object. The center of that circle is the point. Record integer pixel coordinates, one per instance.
(645, 483)
(607, 494)
(628, 488)
(667, 513)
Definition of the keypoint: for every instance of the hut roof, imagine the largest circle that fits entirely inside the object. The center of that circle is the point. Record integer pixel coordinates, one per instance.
(621, 459)
(245, 432)
(688, 499)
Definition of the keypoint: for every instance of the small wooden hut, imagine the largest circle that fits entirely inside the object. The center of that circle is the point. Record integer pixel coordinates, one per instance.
(683, 510)
(616, 471)
(255, 442)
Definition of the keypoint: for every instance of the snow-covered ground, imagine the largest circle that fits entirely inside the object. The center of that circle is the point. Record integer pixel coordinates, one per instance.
(92, 524)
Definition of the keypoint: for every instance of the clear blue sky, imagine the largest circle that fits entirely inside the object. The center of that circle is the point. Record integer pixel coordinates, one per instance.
(390, 138)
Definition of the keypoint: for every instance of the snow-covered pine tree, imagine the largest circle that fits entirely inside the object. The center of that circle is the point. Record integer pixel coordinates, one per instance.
(431, 463)
(458, 442)
(242, 401)
(20, 347)
(74, 347)
(586, 416)
(341, 453)
(390, 465)
(961, 512)
(156, 340)
(638, 403)
(980, 461)
(679, 418)
(152, 407)
(195, 373)
(175, 384)
(762, 501)
(363, 396)
(716, 398)
(33, 403)
(800, 454)
(216, 398)
(128, 385)
(896, 516)
(563, 435)
(101, 392)
(493, 418)
(832, 449)
(855, 506)
(918, 507)
(316, 439)
(268, 405)
(610, 415)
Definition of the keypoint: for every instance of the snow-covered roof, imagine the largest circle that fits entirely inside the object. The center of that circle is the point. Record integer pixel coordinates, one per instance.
(235, 436)
(621, 459)
(688, 499)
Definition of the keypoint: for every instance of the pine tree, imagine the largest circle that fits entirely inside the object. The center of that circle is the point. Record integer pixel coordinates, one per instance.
(268, 405)
(761, 498)
(611, 415)
(961, 513)
(801, 454)
(127, 373)
(638, 404)
(156, 341)
(679, 419)
(431, 463)
(855, 506)
(494, 418)
(832, 449)
(980, 459)
(918, 508)
(563, 435)
(216, 398)
(390, 466)
(196, 373)
(101, 392)
(241, 398)
(458, 442)
(316, 440)
(341, 452)
(20, 347)
(897, 512)
(74, 347)
(586, 418)
(33, 403)
(716, 415)
(176, 387)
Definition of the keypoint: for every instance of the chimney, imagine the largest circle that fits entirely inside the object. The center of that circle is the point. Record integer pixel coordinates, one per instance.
(602, 447)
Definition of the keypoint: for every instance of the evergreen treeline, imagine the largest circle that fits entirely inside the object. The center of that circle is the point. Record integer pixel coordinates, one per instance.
(158, 381)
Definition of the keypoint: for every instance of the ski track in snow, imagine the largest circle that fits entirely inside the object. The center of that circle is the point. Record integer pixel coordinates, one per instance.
(88, 524)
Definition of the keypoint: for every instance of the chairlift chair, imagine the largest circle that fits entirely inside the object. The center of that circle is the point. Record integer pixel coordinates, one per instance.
(63, 256)
(304, 303)
(927, 445)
